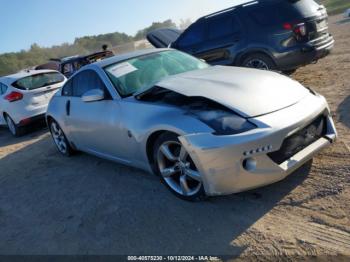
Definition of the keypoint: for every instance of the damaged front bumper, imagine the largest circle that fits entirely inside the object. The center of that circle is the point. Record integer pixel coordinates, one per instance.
(232, 164)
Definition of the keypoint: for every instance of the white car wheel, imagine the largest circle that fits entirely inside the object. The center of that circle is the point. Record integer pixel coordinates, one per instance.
(12, 126)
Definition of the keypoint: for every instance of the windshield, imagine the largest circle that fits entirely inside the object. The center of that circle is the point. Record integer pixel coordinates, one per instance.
(140, 73)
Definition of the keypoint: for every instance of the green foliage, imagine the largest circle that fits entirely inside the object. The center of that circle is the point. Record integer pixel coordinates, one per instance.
(92, 43)
(335, 6)
(13, 62)
(141, 34)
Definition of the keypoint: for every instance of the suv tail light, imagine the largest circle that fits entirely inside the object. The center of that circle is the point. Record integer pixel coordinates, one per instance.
(299, 30)
(287, 26)
(14, 96)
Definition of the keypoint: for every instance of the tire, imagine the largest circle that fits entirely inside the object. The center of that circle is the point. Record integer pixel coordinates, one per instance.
(59, 138)
(259, 61)
(13, 128)
(176, 168)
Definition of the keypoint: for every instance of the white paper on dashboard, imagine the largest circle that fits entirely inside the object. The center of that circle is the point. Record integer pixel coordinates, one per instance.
(122, 69)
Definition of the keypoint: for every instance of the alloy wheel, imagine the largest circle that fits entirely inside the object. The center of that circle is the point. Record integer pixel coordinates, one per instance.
(59, 138)
(257, 63)
(178, 169)
(11, 125)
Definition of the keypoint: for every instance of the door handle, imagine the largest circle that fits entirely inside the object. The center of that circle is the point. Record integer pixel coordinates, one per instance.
(68, 108)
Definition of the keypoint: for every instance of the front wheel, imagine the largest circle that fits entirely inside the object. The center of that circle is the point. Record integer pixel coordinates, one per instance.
(177, 169)
(60, 139)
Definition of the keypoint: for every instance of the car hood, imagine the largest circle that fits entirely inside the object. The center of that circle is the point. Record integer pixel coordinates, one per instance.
(163, 37)
(248, 92)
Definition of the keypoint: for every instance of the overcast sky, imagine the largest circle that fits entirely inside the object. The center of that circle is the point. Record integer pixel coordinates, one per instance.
(53, 22)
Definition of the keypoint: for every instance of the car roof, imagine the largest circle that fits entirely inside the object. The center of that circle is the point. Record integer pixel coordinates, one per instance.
(68, 58)
(245, 3)
(74, 58)
(10, 79)
(126, 56)
(238, 7)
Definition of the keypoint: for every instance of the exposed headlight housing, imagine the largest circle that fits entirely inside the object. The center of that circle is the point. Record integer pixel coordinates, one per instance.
(224, 122)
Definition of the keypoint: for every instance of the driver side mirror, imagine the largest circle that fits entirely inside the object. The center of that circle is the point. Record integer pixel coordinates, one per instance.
(93, 95)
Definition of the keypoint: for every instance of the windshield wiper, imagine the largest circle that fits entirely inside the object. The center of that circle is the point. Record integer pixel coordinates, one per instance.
(153, 91)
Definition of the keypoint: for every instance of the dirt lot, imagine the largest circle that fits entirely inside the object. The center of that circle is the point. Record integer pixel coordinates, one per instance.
(83, 205)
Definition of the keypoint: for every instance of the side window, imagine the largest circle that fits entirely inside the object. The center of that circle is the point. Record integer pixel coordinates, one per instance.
(273, 14)
(85, 81)
(222, 27)
(3, 89)
(68, 69)
(194, 35)
(67, 89)
(264, 16)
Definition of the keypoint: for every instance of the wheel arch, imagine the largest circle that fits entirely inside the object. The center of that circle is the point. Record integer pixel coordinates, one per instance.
(3, 117)
(4, 114)
(152, 138)
(241, 57)
(48, 119)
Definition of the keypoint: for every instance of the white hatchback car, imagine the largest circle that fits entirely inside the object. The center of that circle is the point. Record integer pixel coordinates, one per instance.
(24, 97)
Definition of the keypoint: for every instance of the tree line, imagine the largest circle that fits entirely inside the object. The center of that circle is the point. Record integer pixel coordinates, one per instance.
(16, 61)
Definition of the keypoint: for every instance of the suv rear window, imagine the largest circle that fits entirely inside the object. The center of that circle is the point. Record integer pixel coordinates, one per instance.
(283, 11)
(39, 80)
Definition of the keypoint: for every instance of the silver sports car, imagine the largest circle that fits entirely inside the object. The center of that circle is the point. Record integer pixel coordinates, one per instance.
(205, 130)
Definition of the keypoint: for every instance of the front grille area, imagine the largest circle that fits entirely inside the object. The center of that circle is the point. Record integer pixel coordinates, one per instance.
(300, 140)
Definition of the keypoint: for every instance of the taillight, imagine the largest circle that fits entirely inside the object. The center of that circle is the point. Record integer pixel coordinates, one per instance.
(288, 26)
(300, 29)
(14, 96)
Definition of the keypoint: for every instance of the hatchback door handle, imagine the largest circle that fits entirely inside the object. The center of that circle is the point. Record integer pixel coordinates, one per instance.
(68, 108)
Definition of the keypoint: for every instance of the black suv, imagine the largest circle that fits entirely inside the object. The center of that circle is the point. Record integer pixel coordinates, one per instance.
(267, 34)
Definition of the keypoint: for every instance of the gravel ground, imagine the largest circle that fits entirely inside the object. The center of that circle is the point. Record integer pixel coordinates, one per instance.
(84, 205)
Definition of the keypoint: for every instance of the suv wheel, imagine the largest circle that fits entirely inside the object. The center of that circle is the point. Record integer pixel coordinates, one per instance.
(259, 61)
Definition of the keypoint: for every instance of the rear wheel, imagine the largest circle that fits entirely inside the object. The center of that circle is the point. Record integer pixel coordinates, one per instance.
(14, 129)
(259, 61)
(60, 139)
(177, 169)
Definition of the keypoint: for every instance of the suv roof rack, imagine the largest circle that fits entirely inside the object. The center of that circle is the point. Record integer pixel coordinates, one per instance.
(248, 3)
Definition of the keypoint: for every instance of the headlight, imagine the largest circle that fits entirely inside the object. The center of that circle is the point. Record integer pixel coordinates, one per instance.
(224, 122)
